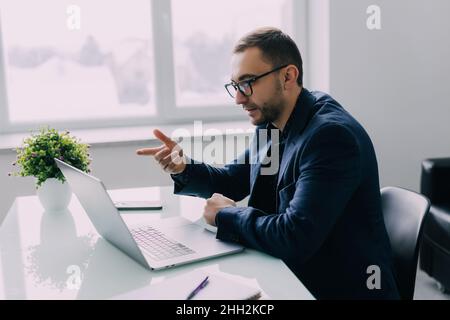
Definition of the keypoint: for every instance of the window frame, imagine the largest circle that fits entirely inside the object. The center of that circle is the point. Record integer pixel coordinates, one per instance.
(165, 99)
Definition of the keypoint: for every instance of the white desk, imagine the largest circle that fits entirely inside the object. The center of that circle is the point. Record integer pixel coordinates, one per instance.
(41, 254)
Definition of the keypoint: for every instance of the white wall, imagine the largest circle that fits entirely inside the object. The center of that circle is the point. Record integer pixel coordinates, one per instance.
(395, 80)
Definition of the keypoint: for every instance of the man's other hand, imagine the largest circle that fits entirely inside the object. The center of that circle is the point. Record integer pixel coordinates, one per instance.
(213, 205)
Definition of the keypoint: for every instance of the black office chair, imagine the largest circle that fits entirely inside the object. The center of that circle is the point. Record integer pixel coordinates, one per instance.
(404, 212)
(435, 250)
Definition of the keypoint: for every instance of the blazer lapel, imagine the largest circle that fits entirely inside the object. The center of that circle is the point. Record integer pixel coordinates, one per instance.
(302, 113)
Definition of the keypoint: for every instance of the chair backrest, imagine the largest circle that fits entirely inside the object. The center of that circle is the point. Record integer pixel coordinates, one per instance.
(404, 212)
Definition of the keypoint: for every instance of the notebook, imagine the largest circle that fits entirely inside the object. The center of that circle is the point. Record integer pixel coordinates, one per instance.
(220, 287)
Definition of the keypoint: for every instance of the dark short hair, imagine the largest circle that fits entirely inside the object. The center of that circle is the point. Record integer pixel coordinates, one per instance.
(277, 48)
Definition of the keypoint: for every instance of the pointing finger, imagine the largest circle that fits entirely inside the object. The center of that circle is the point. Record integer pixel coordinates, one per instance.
(164, 139)
(149, 151)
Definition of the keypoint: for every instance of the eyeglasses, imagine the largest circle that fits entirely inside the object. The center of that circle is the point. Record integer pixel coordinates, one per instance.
(245, 86)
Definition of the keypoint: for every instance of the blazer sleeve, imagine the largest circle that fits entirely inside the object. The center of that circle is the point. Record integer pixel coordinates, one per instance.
(330, 172)
(202, 180)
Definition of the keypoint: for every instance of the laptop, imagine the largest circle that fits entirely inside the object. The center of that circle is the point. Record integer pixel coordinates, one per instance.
(162, 244)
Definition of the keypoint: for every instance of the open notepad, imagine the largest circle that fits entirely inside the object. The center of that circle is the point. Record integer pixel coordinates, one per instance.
(219, 287)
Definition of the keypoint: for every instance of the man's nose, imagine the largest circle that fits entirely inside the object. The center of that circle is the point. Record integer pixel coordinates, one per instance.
(240, 98)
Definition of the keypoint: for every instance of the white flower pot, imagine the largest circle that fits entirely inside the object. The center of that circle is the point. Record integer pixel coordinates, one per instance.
(54, 195)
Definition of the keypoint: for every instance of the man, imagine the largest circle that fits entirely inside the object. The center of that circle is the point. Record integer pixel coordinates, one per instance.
(321, 211)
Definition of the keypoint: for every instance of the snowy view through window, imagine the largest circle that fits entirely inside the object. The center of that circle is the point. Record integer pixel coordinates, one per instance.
(104, 69)
(205, 33)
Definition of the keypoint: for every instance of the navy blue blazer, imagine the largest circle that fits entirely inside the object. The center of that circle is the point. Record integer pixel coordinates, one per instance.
(328, 227)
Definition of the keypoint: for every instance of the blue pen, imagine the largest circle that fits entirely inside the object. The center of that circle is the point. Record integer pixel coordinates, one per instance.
(199, 287)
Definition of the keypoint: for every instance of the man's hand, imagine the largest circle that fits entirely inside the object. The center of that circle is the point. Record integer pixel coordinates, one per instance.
(213, 205)
(169, 155)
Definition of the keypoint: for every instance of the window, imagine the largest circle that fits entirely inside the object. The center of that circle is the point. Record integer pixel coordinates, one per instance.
(103, 69)
(124, 63)
(204, 33)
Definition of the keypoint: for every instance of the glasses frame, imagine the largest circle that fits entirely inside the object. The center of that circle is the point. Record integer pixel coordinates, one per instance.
(247, 83)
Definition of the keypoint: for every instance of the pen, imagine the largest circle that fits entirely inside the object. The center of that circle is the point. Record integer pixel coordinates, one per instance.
(199, 287)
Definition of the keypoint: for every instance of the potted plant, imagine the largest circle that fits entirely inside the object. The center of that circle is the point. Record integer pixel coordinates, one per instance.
(35, 158)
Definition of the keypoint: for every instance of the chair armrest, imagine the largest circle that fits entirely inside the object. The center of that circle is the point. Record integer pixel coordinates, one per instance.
(435, 180)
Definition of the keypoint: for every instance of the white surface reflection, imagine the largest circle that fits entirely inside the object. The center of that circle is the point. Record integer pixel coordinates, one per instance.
(59, 248)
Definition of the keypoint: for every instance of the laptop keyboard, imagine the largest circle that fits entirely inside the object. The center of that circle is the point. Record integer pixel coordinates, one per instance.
(157, 245)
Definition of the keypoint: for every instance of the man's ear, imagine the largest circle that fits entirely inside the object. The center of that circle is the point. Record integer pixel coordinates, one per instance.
(290, 76)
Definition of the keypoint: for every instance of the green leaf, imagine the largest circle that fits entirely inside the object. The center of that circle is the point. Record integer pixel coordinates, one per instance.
(35, 156)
